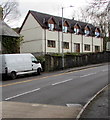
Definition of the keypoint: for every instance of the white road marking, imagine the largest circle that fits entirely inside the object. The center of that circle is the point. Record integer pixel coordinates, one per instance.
(73, 105)
(88, 74)
(22, 94)
(61, 82)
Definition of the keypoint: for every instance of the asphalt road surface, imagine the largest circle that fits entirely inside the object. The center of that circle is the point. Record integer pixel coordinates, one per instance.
(57, 88)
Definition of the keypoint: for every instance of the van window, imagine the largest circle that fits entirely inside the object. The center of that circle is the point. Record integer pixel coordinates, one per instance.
(33, 59)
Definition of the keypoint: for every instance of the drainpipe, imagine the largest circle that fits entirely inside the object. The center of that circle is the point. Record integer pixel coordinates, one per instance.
(92, 44)
(71, 43)
(58, 42)
(82, 43)
(45, 40)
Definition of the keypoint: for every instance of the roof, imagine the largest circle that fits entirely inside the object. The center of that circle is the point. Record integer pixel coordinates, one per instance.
(43, 18)
(5, 30)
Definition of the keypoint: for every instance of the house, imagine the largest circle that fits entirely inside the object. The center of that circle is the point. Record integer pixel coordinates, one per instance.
(6, 32)
(43, 34)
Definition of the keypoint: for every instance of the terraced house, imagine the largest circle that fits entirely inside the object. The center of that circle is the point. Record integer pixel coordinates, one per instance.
(43, 34)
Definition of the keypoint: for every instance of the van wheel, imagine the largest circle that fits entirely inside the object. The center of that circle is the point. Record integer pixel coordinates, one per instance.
(13, 75)
(38, 71)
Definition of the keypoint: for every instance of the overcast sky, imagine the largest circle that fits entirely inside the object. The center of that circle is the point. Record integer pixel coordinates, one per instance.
(52, 7)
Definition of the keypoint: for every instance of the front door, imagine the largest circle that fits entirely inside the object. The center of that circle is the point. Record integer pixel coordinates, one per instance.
(77, 47)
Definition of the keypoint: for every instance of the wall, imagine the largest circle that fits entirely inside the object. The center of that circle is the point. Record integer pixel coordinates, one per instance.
(66, 38)
(98, 42)
(76, 39)
(33, 38)
(70, 61)
(87, 40)
(52, 35)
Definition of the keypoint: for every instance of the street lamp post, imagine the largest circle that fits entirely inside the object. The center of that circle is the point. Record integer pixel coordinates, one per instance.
(62, 42)
(62, 37)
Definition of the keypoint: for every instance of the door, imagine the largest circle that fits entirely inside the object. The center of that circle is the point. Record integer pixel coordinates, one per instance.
(34, 63)
(77, 47)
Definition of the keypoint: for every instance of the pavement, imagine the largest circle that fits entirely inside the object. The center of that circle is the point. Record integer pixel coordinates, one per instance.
(98, 108)
(29, 110)
(85, 67)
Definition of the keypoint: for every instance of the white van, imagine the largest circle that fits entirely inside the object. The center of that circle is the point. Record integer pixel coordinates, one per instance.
(17, 64)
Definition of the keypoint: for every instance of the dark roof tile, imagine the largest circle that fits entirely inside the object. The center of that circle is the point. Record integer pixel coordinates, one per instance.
(43, 18)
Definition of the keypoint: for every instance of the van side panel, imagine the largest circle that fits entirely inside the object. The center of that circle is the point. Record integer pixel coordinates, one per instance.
(18, 62)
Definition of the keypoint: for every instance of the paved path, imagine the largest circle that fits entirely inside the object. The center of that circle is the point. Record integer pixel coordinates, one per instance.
(27, 110)
(98, 107)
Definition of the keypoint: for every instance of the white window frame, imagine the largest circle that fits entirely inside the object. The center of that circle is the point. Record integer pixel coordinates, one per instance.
(87, 32)
(65, 45)
(51, 43)
(51, 26)
(98, 50)
(97, 34)
(76, 47)
(65, 29)
(76, 30)
(87, 47)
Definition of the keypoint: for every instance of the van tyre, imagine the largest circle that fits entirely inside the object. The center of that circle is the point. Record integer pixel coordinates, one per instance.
(13, 75)
(38, 71)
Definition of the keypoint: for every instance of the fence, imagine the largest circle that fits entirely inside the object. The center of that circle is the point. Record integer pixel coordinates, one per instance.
(53, 63)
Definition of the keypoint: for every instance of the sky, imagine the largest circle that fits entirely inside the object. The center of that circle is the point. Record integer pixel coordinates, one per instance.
(52, 7)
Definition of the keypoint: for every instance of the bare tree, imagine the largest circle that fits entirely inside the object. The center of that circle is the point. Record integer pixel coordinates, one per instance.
(10, 10)
(80, 14)
(98, 10)
(99, 13)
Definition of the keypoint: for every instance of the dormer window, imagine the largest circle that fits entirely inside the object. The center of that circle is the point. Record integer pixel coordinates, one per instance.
(97, 32)
(65, 28)
(76, 29)
(51, 26)
(87, 31)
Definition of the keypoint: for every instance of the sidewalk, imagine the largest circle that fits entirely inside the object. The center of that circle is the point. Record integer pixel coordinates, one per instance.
(85, 67)
(27, 110)
(98, 108)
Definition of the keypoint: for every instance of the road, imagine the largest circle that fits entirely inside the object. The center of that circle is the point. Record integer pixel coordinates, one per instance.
(58, 88)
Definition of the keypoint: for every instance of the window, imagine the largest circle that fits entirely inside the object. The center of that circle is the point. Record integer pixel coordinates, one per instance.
(66, 45)
(87, 32)
(87, 47)
(51, 43)
(33, 59)
(77, 47)
(97, 48)
(76, 30)
(65, 28)
(97, 34)
(51, 26)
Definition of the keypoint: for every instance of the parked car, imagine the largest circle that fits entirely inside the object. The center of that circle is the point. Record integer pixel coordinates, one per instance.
(18, 64)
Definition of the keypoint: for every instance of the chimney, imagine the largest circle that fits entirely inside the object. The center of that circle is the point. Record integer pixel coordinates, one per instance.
(1, 13)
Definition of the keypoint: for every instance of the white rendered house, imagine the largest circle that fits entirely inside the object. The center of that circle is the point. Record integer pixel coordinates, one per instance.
(43, 34)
